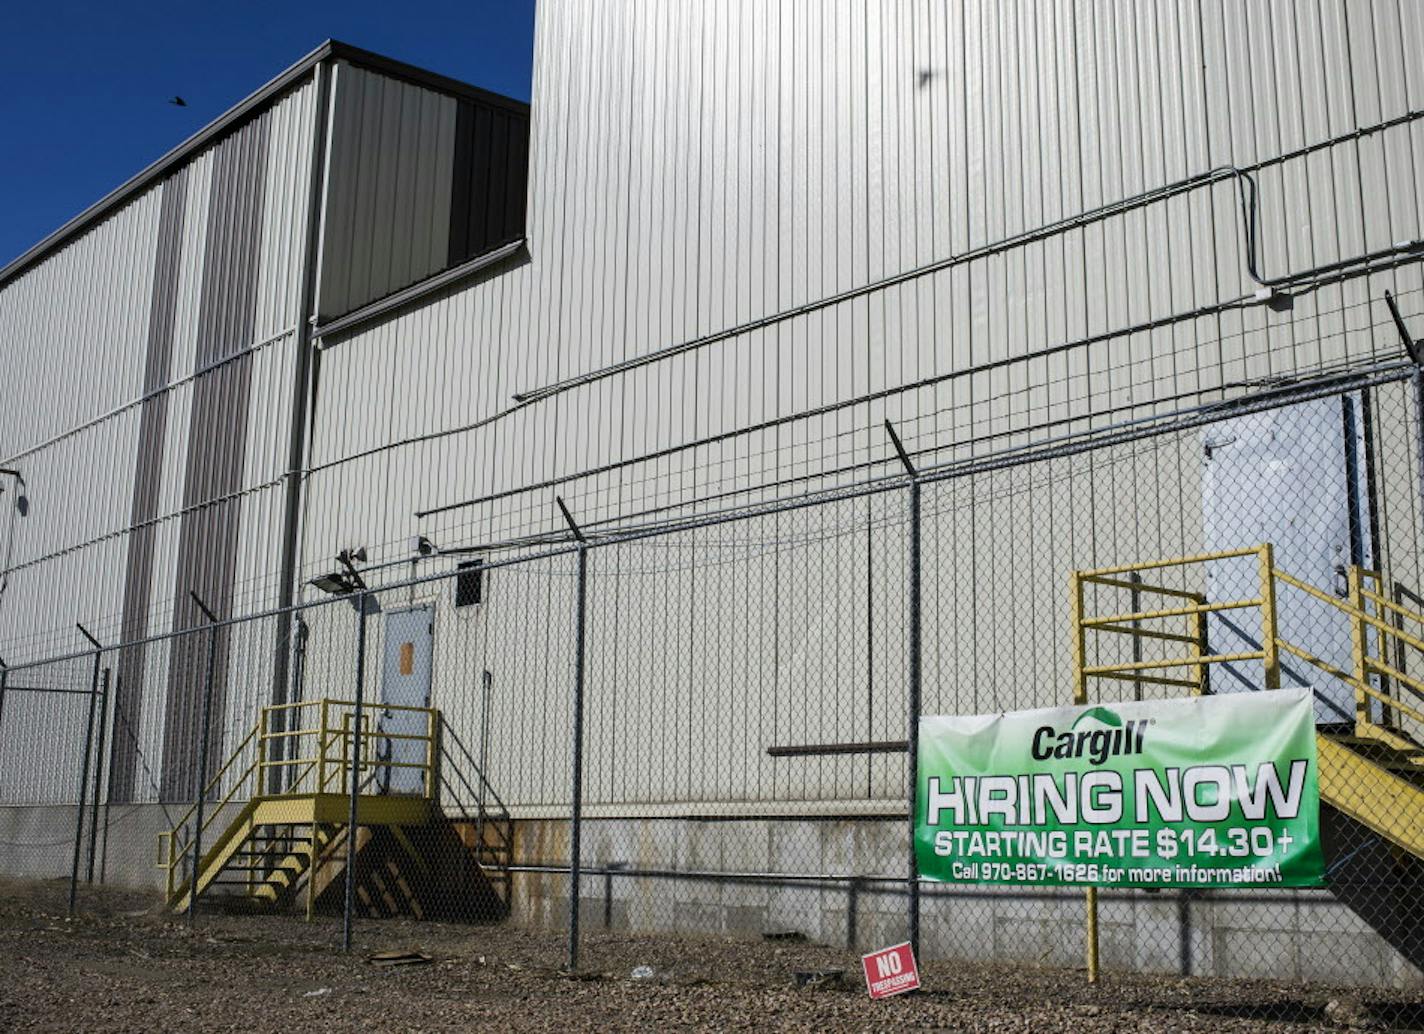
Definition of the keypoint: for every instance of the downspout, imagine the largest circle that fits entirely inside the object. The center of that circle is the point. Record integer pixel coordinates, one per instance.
(303, 392)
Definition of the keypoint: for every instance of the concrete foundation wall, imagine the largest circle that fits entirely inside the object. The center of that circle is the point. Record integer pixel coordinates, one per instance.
(1275, 934)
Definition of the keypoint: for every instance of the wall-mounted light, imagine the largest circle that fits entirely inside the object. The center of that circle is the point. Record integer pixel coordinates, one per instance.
(335, 582)
(346, 581)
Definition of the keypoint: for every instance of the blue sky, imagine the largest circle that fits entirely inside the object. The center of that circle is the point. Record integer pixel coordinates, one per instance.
(84, 87)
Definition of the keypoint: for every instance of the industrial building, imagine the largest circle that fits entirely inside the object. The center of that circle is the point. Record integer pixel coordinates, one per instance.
(365, 328)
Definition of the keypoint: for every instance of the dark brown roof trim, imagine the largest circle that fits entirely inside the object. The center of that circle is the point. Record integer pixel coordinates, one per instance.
(234, 117)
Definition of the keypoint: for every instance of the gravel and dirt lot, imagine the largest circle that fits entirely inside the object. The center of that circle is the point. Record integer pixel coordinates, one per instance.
(120, 966)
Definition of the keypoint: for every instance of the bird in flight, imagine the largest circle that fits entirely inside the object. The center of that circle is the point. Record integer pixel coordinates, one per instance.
(177, 102)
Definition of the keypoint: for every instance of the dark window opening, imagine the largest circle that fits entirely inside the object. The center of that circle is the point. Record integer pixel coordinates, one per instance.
(470, 584)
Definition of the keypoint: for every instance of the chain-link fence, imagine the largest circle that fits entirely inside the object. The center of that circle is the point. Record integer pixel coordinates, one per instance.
(707, 727)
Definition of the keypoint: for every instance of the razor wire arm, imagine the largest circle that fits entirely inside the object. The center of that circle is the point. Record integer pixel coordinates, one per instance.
(1414, 347)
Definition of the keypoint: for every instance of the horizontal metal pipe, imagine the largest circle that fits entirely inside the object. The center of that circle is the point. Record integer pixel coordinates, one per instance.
(1239, 175)
(814, 749)
(896, 884)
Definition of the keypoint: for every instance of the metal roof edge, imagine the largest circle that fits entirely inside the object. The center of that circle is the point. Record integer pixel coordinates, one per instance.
(412, 293)
(229, 119)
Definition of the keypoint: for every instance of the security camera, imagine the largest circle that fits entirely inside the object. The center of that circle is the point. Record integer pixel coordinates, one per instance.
(423, 546)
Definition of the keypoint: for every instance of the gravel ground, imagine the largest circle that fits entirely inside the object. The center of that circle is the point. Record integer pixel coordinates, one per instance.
(118, 966)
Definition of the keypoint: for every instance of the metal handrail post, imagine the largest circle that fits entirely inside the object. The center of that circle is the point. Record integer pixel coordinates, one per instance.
(1270, 635)
(323, 740)
(1200, 649)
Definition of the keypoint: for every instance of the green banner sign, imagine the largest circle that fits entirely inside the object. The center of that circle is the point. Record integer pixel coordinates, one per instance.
(1202, 792)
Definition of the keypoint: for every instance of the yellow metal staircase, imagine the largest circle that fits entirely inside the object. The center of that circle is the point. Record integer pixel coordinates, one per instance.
(282, 826)
(1372, 769)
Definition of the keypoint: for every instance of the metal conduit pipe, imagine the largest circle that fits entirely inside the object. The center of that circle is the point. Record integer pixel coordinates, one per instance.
(1373, 262)
(1247, 192)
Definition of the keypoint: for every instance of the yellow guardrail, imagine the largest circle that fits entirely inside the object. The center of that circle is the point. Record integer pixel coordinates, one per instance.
(309, 745)
(1365, 607)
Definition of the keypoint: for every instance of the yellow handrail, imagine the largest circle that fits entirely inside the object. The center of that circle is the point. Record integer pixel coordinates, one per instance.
(1356, 609)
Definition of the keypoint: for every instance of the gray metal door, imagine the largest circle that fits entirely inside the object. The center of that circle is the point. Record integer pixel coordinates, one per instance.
(1291, 477)
(405, 682)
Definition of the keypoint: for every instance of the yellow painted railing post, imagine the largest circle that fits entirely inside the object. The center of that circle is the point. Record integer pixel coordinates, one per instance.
(321, 743)
(261, 746)
(346, 751)
(1357, 649)
(1080, 696)
(1198, 623)
(1270, 642)
(1080, 640)
(432, 727)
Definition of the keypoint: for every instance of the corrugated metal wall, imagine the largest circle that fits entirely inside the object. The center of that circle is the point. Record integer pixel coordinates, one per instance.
(417, 181)
(696, 168)
(151, 365)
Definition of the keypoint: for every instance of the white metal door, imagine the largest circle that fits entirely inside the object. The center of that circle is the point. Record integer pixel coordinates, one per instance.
(405, 682)
(1289, 477)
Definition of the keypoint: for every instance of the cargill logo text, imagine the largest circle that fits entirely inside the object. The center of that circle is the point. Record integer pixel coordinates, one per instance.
(1113, 738)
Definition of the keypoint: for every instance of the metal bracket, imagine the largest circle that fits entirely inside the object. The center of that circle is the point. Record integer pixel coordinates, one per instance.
(573, 525)
(85, 632)
(900, 448)
(1413, 347)
(344, 559)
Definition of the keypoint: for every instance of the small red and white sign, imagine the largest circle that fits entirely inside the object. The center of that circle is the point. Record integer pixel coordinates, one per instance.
(891, 971)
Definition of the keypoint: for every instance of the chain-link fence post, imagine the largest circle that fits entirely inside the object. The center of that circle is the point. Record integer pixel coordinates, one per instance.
(915, 672)
(576, 808)
(356, 746)
(1080, 697)
(1415, 349)
(4, 682)
(98, 775)
(200, 780)
(84, 771)
(913, 739)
